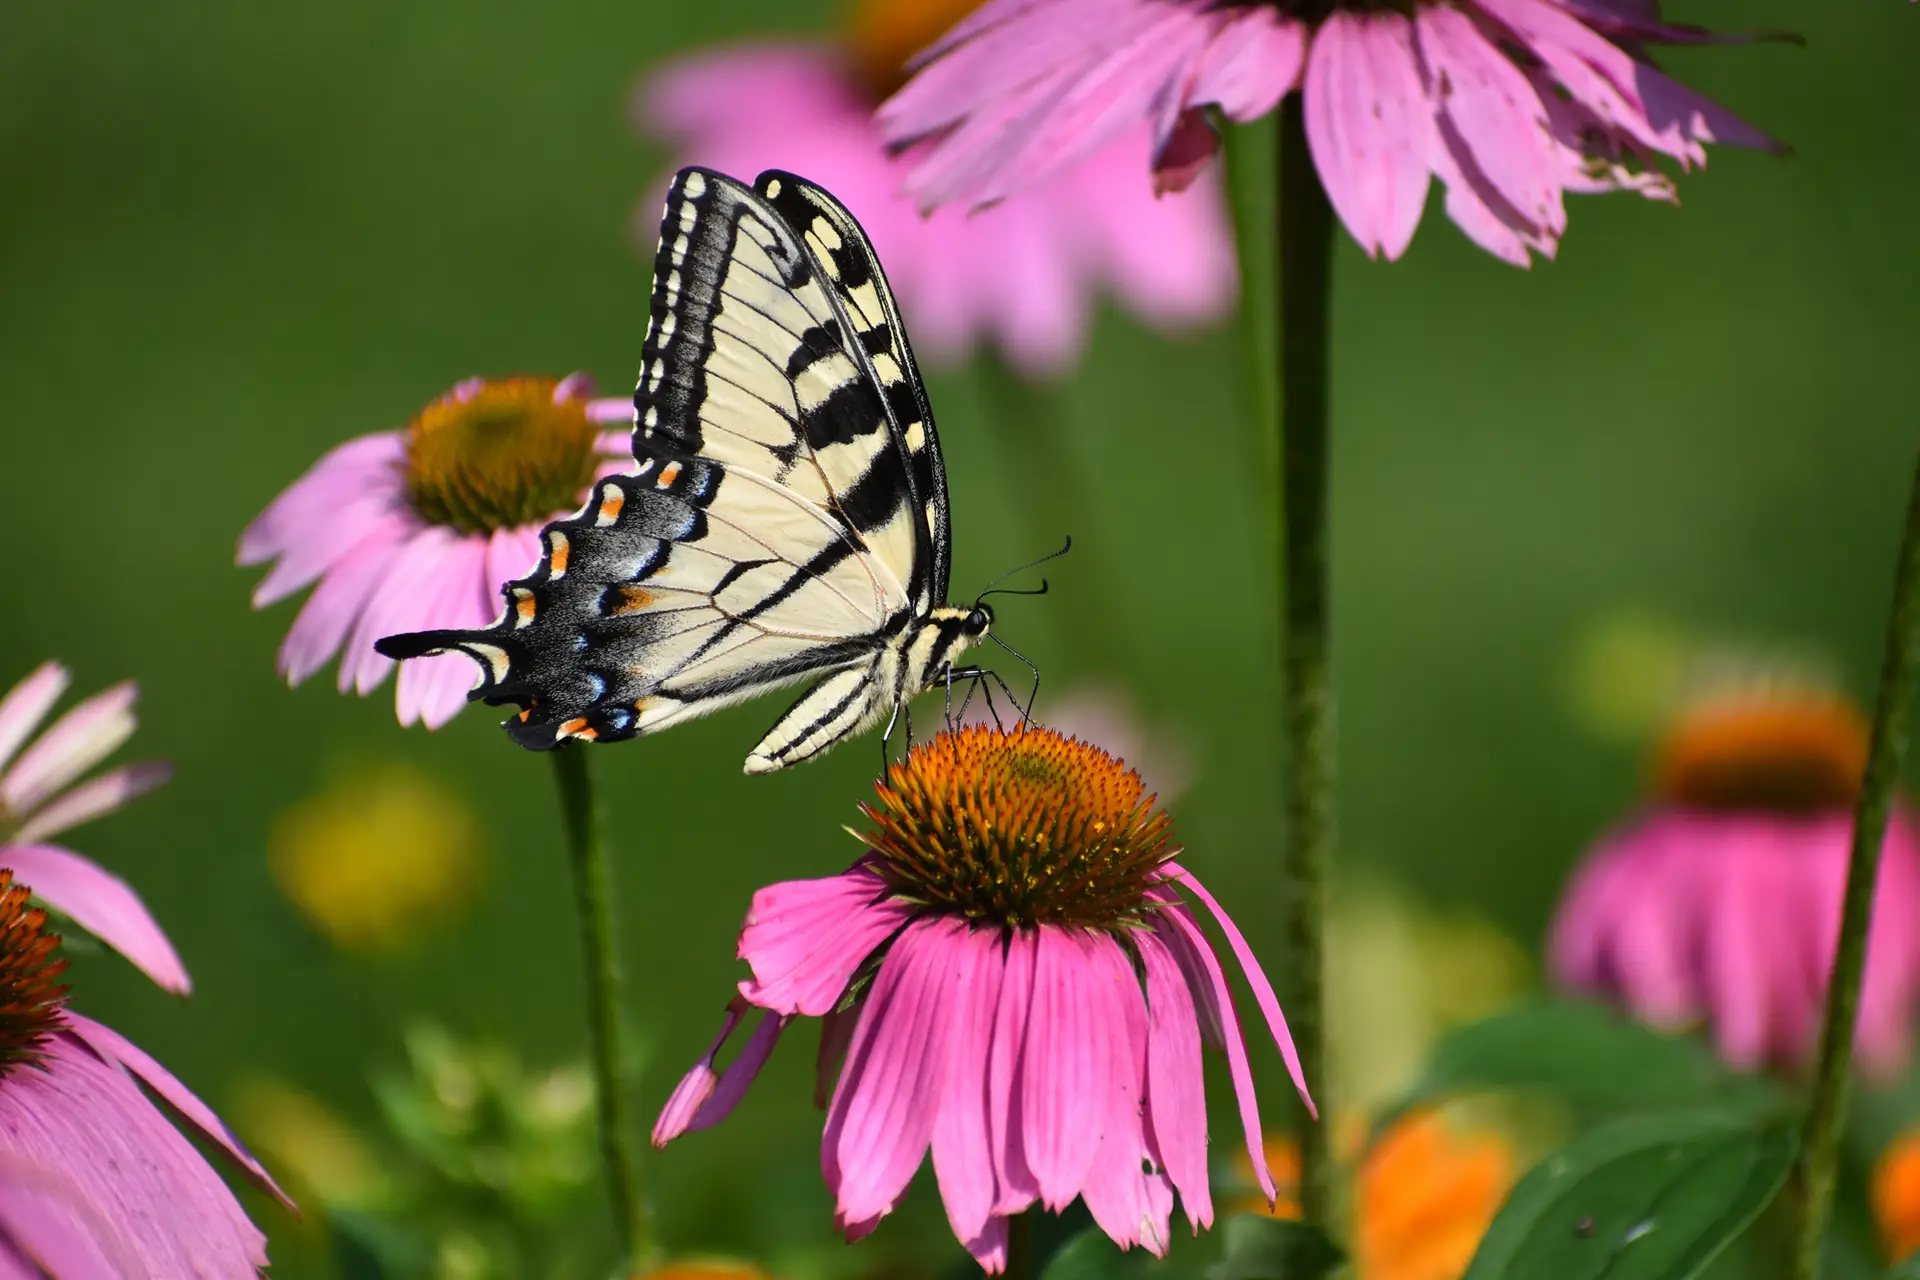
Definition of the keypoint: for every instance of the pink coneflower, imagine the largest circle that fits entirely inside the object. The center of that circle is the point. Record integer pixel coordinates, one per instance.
(1023, 274)
(1011, 977)
(1721, 901)
(38, 802)
(417, 529)
(94, 1179)
(1510, 103)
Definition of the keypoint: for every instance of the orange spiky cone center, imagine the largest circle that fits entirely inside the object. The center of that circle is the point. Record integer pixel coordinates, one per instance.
(31, 994)
(1019, 828)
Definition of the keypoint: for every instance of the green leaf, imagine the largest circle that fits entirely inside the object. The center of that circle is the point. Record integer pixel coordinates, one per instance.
(1262, 1248)
(1089, 1256)
(1646, 1198)
(1908, 1270)
(1586, 1055)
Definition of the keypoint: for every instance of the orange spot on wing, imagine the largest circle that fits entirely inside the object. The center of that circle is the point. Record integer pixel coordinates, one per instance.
(668, 474)
(612, 502)
(575, 726)
(634, 599)
(523, 604)
(558, 549)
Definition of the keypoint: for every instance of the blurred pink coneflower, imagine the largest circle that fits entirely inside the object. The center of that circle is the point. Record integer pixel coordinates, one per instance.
(1011, 977)
(417, 529)
(1721, 901)
(1510, 103)
(94, 1179)
(38, 801)
(1022, 274)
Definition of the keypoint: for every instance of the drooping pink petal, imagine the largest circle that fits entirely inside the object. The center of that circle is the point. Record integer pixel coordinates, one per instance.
(1175, 922)
(330, 613)
(1256, 978)
(1176, 1084)
(77, 741)
(92, 799)
(331, 536)
(989, 1248)
(1736, 937)
(740, 1073)
(1006, 1077)
(1250, 64)
(1491, 117)
(27, 704)
(1066, 1069)
(50, 1227)
(1369, 126)
(1126, 1191)
(393, 606)
(805, 938)
(883, 1111)
(82, 1114)
(367, 463)
(698, 1084)
(962, 1142)
(102, 904)
(178, 1099)
(434, 689)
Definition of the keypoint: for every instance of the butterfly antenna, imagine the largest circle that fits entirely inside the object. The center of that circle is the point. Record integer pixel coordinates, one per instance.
(1041, 590)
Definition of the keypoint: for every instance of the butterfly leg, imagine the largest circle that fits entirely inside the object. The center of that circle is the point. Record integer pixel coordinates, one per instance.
(1026, 713)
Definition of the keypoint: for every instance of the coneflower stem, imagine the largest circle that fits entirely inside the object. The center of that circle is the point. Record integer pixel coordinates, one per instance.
(1812, 1186)
(593, 900)
(1303, 253)
(1020, 1247)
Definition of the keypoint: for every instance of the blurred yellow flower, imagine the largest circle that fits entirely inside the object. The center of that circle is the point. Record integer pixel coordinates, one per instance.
(1624, 673)
(1399, 975)
(1896, 1195)
(1423, 1196)
(703, 1269)
(379, 858)
(310, 1146)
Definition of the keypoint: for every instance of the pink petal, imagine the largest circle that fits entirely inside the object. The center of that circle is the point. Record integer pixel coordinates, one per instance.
(1491, 116)
(512, 554)
(1184, 153)
(611, 409)
(1176, 1084)
(1369, 127)
(740, 1073)
(962, 1145)
(1006, 1077)
(1737, 937)
(49, 1227)
(1173, 923)
(883, 1111)
(1126, 1191)
(84, 1118)
(697, 1085)
(365, 464)
(77, 741)
(989, 1248)
(178, 1099)
(1256, 978)
(1068, 1061)
(337, 603)
(1250, 64)
(27, 704)
(435, 689)
(102, 904)
(805, 938)
(92, 799)
(393, 606)
(333, 534)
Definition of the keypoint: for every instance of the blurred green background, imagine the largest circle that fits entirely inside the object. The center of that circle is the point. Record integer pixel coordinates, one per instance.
(234, 234)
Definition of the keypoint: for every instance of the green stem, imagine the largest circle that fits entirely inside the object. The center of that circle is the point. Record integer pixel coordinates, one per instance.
(1827, 1112)
(1020, 1247)
(1303, 248)
(593, 899)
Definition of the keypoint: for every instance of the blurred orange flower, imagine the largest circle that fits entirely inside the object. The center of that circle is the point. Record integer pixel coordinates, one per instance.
(1423, 1196)
(704, 1269)
(1896, 1195)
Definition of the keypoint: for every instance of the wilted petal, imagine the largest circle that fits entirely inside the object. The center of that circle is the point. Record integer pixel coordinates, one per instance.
(698, 1084)
(1176, 1083)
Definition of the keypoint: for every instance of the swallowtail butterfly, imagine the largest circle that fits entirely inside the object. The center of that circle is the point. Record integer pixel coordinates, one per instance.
(786, 517)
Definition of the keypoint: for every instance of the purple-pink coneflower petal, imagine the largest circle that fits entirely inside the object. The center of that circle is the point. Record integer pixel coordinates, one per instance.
(740, 1073)
(511, 554)
(1006, 1077)
(962, 1145)
(179, 1099)
(342, 473)
(1067, 1065)
(27, 704)
(698, 1084)
(346, 523)
(804, 939)
(49, 1227)
(1735, 939)
(1256, 978)
(882, 1116)
(101, 903)
(1368, 126)
(92, 799)
(1250, 64)
(989, 1248)
(1126, 1191)
(77, 741)
(1176, 923)
(433, 690)
(394, 605)
(1176, 1085)
(1491, 116)
(329, 615)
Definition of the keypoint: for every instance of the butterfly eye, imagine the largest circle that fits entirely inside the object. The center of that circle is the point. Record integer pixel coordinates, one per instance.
(979, 620)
